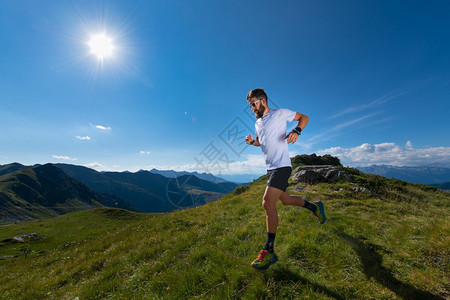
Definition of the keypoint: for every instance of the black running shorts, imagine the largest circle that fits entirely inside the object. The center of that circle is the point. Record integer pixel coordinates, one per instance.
(278, 178)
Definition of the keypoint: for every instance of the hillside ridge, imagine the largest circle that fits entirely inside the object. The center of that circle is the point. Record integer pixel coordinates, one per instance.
(388, 244)
(45, 191)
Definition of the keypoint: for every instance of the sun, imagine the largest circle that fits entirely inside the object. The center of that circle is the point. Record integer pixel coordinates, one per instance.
(101, 46)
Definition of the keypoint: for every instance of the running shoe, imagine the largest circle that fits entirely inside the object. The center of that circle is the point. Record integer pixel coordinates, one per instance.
(264, 260)
(320, 212)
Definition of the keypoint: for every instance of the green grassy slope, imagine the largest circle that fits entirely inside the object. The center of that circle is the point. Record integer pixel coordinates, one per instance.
(390, 244)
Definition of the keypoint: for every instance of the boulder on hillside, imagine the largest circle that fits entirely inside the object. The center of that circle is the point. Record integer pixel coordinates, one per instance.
(361, 189)
(314, 160)
(316, 174)
(24, 238)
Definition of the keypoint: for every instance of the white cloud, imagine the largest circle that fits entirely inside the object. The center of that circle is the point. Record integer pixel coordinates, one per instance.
(145, 152)
(409, 145)
(389, 154)
(87, 138)
(101, 127)
(63, 157)
(94, 165)
(253, 164)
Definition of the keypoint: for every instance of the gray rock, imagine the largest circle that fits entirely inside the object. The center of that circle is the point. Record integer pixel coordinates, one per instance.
(23, 237)
(316, 174)
(361, 189)
(7, 257)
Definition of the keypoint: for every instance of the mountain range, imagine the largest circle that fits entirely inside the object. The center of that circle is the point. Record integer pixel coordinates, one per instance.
(236, 178)
(51, 189)
(174, 174)
(421, 174)
(45, 190)
(151, 192)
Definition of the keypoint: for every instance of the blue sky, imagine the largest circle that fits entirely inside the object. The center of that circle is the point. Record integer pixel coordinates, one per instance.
(373, 76)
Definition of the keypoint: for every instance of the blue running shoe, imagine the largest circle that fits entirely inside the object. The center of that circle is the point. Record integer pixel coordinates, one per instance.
(264, 260)
(320, 212)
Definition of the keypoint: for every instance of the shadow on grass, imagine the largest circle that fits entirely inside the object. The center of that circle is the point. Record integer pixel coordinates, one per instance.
(372, 267)
(282, 275)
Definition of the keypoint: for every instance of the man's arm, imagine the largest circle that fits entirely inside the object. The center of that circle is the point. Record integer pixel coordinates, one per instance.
(302, 121)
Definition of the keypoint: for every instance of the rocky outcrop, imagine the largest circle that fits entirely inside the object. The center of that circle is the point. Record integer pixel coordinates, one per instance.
(316, 160)
(24, 238)
(317, 174)
(361, 189)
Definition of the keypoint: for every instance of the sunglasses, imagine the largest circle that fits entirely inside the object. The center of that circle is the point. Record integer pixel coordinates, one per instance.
(254, 103)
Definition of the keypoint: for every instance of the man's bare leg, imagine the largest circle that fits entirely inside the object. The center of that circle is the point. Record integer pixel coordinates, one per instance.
(267, 256)
(288, 199)
(316, 208)
(269, 203)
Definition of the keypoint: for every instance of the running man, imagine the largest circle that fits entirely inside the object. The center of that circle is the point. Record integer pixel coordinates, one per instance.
(270, 129)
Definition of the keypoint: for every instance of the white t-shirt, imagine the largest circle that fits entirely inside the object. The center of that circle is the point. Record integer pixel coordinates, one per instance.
(271, 131)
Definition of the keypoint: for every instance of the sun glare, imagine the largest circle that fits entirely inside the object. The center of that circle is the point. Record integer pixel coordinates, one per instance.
(101, 46)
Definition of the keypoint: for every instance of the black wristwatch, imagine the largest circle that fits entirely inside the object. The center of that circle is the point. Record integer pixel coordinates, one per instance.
(297, 130)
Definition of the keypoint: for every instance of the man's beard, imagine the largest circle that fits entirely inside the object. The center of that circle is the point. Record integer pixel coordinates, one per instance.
(260, 112)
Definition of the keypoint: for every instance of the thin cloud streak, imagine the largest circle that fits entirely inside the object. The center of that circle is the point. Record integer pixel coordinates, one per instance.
(384, 99)
(318, 138)
(352, 122)
(375, 103)
(380, 121)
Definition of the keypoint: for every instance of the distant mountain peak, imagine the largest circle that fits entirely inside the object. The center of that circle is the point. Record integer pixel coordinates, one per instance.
(203, 176)
(415, 174)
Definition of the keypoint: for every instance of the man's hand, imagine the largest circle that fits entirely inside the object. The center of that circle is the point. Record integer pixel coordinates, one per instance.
(249, 139)
(291, 137)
